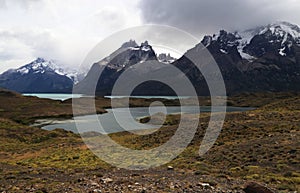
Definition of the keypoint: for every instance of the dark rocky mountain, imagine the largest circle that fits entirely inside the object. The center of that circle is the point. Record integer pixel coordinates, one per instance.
(165, 58)
(129, 54)
(265, 58)
(40, 76)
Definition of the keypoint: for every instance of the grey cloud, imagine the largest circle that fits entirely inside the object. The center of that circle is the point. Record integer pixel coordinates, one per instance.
(207, 16)
(2, 4)
(27, 44)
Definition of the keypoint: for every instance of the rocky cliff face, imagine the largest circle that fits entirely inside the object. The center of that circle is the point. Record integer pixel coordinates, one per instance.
(261, 59)
(114, 65)
(265, 58)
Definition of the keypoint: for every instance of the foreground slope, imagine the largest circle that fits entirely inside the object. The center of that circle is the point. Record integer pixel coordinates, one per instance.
(260, 145)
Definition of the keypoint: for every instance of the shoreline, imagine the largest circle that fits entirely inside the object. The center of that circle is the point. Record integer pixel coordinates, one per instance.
(52, 121)
(253, 146)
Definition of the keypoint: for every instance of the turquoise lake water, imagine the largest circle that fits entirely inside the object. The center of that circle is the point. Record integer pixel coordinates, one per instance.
(54, 96)
(109, 124)
(57, 96)
(108, 121)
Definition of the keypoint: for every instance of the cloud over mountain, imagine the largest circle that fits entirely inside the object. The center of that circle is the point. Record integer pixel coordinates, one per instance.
(203, 17)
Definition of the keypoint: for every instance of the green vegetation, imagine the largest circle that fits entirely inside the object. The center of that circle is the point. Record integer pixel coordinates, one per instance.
(262, 145)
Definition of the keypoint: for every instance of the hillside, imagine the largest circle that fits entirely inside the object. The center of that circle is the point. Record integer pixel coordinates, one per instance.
(258, 146)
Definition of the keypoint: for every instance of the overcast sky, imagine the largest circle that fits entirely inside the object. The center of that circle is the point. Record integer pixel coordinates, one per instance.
(67, 30)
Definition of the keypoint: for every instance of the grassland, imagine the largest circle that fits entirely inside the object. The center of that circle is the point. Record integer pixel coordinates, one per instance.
(261, 145)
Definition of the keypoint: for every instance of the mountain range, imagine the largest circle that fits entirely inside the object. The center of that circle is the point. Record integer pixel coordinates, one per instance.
(265, 58)
(129, 54)
(40, 76)
(261, 59)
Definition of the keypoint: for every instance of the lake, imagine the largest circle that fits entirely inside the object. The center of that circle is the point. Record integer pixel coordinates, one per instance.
(62, 97)
(110, 125)
(108, 121)
(54, 96)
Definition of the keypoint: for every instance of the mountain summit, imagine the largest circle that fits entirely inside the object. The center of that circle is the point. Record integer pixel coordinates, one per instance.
(265, 58)
(39, 76)
(129, 54)
(277, 38)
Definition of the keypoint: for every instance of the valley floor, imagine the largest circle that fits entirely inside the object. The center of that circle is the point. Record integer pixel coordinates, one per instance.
(260, 146)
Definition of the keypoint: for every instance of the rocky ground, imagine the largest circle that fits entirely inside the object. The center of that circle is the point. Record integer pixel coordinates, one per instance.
(256, 152)
(117, 180)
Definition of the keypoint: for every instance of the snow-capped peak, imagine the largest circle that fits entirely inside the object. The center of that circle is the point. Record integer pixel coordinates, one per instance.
(143, 47)
(278, 35)
(41, 66)
(281, 35)
(128, 54)
(283, 28)
(165, 58)
(278, 29)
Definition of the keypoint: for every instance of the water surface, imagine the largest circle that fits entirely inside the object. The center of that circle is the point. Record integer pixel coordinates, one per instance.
(54, 96)
(62, 96)
(110, 124)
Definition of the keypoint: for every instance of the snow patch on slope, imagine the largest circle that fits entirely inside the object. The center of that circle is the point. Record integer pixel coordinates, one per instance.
(42, 66)
(284, 30)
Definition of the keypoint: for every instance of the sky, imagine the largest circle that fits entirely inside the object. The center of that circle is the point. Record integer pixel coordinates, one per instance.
(67, 30)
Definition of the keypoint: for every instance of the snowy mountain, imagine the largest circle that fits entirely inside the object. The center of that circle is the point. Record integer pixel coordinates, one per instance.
(165, 58)
(37, 77)
(265, 58)
(128, 54)
(125, 57)
(277, 37)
